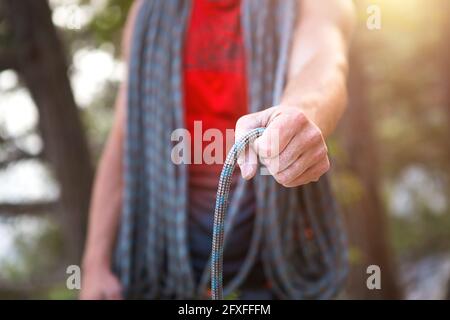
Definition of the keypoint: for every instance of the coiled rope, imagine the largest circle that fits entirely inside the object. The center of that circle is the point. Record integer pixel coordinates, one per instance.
(296, 230)
(220, 210)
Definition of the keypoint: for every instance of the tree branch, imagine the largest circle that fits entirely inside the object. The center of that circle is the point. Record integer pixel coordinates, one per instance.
(18, 155)
(30, 208)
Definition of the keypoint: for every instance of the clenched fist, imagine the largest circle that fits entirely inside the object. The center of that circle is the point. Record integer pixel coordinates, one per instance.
(292, 146)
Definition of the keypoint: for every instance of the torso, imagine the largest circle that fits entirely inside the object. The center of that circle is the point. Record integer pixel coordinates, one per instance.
(215, 87)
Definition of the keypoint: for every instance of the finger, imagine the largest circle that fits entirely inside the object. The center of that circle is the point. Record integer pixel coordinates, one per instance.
(308, 142)
(312, 174)
(248, 163)
(306, 160)
(281, 129)
(297, 168)
(252, 121)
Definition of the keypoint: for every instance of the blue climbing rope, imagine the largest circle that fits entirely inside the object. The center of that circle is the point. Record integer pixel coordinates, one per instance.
(220, 210)
(297, 232)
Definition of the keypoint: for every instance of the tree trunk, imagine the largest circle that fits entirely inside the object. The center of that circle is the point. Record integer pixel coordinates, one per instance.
(41, 63)
(367, 220)
(445, 54)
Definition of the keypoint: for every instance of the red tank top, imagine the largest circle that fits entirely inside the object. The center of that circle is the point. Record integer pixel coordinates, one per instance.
(215, 88)
(216, 93)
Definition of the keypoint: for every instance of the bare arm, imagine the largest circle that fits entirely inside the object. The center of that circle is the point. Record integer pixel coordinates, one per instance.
(107, 193)
(318, 64)
(106, 204)
(313, 101)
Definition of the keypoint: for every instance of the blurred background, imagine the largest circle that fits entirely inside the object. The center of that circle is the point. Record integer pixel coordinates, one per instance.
(60, 68)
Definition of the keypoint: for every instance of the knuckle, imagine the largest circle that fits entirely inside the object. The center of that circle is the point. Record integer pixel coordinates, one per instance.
(324, 152)
(316, 137)
(299, 118)
(324, 165)
(322, 169)
(317, 157)
(327, 165)
(321, 155)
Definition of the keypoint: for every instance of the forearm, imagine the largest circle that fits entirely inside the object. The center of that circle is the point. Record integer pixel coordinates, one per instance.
(106, 201)
(319, 91)
(99, 281)
(104, 215)
(106, 204)
(318, 66)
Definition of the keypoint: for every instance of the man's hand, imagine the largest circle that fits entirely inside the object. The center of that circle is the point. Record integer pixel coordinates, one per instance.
(99, 283)
(292, 146)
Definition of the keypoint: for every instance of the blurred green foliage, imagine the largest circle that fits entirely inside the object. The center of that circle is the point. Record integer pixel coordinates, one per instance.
(409, 108)
(36, 250)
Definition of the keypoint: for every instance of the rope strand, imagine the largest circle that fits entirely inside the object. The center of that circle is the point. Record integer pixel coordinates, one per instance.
(223, 192)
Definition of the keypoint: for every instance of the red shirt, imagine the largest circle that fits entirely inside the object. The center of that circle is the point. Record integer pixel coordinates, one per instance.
(214, 68)
(215, 91)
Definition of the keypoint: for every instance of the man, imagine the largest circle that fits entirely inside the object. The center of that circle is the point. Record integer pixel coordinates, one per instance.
(215, 83)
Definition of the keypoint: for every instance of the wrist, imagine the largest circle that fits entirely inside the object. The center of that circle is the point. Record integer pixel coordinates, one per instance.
(96, 260)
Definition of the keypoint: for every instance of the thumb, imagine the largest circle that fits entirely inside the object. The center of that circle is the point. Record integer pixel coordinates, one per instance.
(248, 159)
